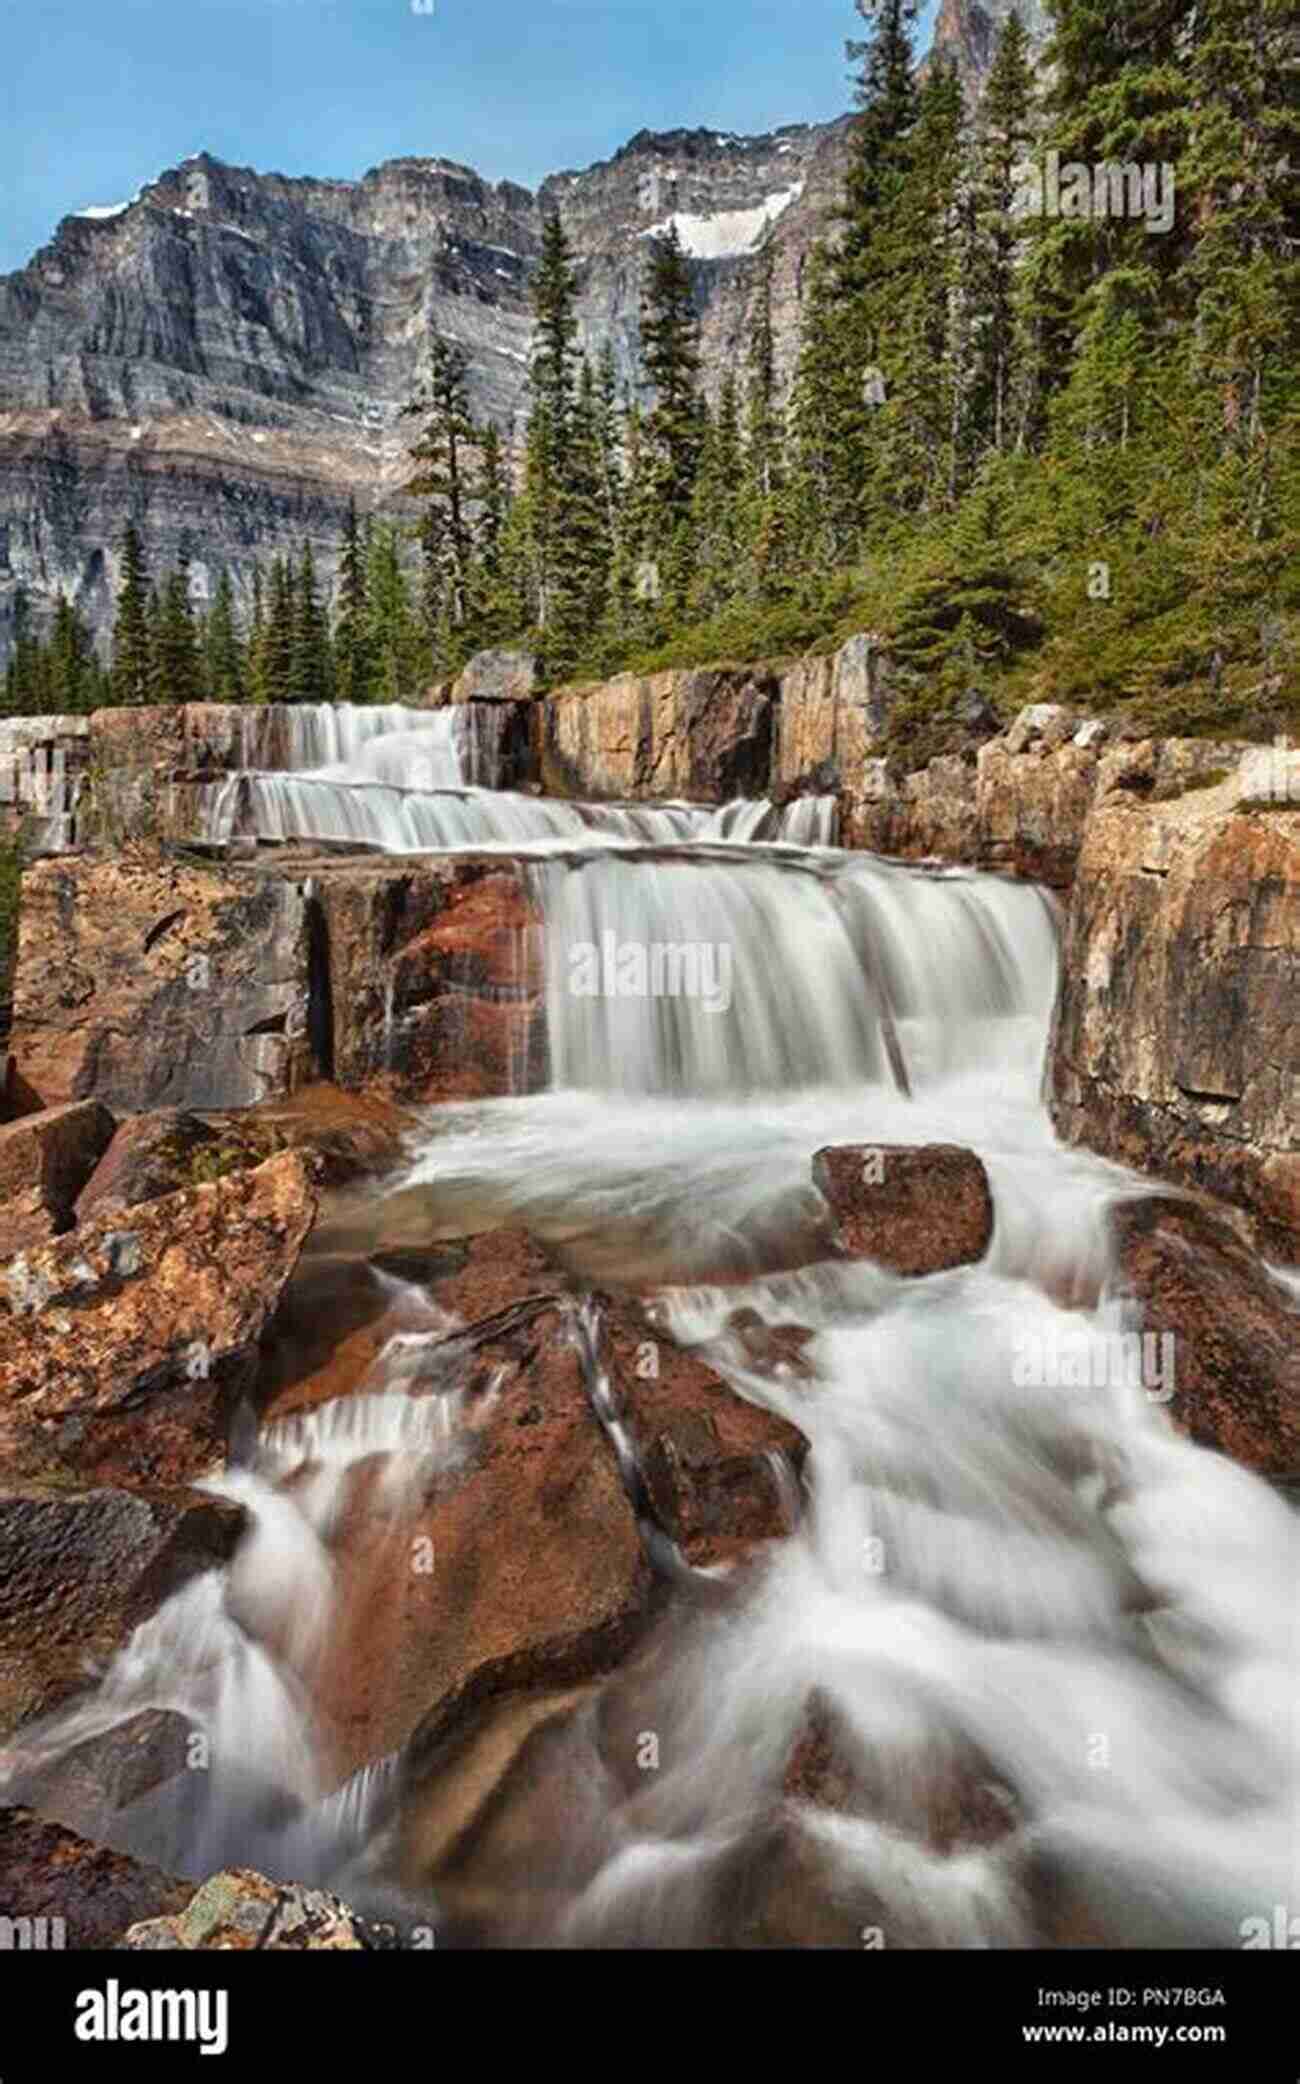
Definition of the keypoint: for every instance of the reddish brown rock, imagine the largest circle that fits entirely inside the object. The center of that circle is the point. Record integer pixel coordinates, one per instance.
(45, 1160)
(434, 969)
(1237, 1333)
(123, 1341)
(150, 1155)
(150, 984)
(48, 1872)
(79, 1571)
(914, 1210)
(1175, 1044)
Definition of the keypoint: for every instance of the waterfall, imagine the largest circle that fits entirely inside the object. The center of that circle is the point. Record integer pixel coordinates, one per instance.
(700, 974)
(403, 781)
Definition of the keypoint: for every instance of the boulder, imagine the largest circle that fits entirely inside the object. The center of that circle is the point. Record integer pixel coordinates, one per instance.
(914, 1210)
(45, 1161)
(1236, 1330)
(497, 676)
(124, 1342)
(539, 1576)
(1174, 1046)
(79, 1571)
(151, 1155)
(47, 1872)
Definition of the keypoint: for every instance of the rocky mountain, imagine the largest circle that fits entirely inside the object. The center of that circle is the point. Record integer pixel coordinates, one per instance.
(225, 357)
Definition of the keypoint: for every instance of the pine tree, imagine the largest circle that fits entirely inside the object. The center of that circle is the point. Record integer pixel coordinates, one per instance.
(674, 426)
(352, 658)
(310, 675)
(445, 478)
(72, 673)
(132, 671)
(176, 672)
(223, 653)
(1005, 132)
(21, 671)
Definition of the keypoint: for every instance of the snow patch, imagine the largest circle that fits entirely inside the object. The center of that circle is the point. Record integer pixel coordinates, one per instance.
(99, 211)
(727, 233)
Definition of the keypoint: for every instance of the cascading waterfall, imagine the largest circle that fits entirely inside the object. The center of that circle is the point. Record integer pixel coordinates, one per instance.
(405, 781)
(1044, 1594)
(700, 975)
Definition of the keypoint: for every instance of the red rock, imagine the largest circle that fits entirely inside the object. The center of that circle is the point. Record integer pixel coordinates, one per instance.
(48, 1872)
(45, 1160)
(122, 1342)
(1237, 1333)
(914, 1210)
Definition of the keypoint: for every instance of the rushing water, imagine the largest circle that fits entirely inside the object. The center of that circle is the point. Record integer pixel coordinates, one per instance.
(410, 781)
(1040, 1595)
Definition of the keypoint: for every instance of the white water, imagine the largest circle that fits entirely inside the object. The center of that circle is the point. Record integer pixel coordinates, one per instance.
(1043, 1591)
(410, 781)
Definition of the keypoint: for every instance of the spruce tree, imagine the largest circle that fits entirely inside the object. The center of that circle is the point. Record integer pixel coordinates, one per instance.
(223, 653)
(352, 657)
(674, 426)
(176, 671)
(132, 673)
(445, 478)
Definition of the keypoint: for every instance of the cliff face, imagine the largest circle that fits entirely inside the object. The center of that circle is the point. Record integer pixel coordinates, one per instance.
(225, 358)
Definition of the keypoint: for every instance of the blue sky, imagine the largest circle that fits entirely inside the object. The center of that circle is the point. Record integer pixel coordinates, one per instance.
(98, 96)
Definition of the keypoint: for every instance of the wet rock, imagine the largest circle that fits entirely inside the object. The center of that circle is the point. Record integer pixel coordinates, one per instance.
(1236, 1330)
(914, 1210)
(79, 1570)
(45, 1160)
(243, 1911)
(151, 1155)
(152, 984)
(538, 1574)
(710, 1459)
(123, 1341)
(435, 983)
(1174, 1047)
(49, 1872)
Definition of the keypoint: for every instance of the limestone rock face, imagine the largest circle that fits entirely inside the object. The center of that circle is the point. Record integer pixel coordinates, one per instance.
(916, 1211)
(292, 314)
(1236, 1333)
(79, 1571)
(705, 734)
(1175, 1045)
(45, 1160)
(122, 1342)
(833, 710)
(149, 983)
